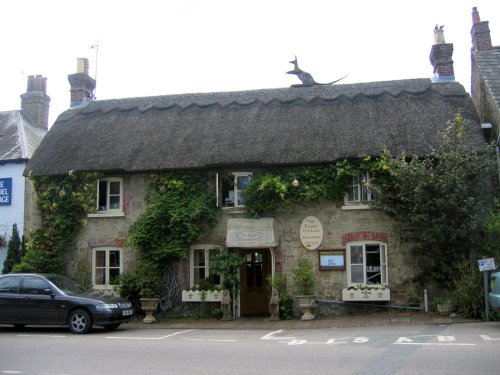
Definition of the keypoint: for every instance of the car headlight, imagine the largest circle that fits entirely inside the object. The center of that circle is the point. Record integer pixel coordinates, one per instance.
(106, 306)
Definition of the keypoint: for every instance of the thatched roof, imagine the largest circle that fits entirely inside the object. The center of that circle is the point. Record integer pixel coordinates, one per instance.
(288, 126)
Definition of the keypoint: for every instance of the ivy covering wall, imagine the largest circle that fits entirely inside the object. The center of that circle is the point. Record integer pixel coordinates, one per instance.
(64, 202)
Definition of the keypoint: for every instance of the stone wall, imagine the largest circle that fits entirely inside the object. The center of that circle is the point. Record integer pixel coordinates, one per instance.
(339, 225)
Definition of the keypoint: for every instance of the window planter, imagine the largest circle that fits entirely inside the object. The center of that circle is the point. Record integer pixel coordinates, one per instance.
(196, 295)
(366, 294)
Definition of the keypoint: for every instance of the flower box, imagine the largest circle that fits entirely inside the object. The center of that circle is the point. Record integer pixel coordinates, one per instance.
(197, 295)
(366, 294)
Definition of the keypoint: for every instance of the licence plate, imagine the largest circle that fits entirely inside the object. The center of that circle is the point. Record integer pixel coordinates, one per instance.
(127, 312)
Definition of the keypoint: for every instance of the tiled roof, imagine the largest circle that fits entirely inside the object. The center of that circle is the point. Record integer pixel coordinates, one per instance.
(489, 66)
(19, 136)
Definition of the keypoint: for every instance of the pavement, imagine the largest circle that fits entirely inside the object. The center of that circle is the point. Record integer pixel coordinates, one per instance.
(369, 319)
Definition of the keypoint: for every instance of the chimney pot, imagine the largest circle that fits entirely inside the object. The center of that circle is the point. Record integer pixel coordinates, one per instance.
(475, 15)
(82, 85)
(82, 65)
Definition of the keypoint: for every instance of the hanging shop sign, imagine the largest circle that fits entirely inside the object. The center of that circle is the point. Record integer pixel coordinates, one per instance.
(311, 233)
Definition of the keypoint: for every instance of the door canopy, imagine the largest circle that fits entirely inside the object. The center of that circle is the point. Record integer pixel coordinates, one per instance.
(252, 233)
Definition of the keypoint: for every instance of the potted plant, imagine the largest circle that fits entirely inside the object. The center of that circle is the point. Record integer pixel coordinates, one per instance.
(444, 305)
(305, 282)
(142, 287)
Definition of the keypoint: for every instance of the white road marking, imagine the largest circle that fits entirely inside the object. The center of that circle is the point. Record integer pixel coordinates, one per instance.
(443, 341)
(149, 338)
(488, 338)
(270, 336)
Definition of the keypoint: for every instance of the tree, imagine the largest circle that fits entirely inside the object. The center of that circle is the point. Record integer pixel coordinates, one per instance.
(440, 200)
(14, 251)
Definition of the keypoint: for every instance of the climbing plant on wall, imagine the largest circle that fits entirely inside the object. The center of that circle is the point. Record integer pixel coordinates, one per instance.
(441, 200)
(64, 202)
(273, 190)
(180, 207)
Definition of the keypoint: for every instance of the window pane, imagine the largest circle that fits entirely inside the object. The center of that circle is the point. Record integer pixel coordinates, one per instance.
(199, 274)
(114, 258)
(357, 274)
(356, 254)
(100, 258)
(100, 276)
(114, 202)
(34, 285)
(199, 258)
(103, 194)
(10, 284)
(114, 188)
(113, 275)
(353, 194)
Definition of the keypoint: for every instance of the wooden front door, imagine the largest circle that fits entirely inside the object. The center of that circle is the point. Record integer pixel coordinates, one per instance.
(254, 294)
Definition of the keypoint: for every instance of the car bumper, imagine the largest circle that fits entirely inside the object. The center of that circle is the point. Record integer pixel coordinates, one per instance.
(112, 316)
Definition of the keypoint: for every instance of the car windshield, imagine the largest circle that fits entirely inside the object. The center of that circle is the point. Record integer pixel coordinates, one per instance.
(66, 285)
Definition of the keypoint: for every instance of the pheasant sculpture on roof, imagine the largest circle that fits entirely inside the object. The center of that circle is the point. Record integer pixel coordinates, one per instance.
(306, 78)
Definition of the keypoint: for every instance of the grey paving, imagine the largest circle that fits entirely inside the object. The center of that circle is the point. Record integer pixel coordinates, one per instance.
(361, 320)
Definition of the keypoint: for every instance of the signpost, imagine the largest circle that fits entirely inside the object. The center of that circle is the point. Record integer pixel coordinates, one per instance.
(485, 265)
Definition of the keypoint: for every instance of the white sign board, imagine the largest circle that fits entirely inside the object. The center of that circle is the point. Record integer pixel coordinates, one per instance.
(487, 264)
(311, 233)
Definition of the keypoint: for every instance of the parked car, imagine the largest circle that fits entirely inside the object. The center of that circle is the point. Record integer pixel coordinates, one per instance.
(57, 300)
(494, 294)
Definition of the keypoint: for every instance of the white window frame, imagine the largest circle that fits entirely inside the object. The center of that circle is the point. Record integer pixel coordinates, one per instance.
(236, 191)
(109, 211)
(206, 248)
(367, 272)
(364, 194)
(107, 250)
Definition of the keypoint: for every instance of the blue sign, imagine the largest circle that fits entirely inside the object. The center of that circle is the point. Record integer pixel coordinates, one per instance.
(5, 191)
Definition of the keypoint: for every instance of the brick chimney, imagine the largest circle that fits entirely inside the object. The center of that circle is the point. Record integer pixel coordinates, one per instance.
(35, 102)
(481, 39)
(82, 85)
(440, 57)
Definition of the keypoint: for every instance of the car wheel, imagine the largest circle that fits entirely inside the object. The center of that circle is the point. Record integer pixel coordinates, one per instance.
(110, 327)
(80, 321)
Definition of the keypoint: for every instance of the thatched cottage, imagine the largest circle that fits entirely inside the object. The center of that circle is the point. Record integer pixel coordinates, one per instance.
(242, 133)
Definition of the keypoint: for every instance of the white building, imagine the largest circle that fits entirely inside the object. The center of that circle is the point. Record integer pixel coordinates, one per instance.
(20, 133)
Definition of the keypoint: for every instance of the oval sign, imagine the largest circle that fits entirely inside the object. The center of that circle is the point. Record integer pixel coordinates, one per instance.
(311, 233)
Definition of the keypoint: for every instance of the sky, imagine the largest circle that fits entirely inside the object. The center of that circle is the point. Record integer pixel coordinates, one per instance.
(149, 48)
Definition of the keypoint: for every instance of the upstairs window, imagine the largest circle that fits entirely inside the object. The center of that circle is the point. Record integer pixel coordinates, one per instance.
(109, 195)
(230, 188)
(358, 191)
(367, 263)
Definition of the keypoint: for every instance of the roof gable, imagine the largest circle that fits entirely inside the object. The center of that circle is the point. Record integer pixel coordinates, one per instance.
(19, 136)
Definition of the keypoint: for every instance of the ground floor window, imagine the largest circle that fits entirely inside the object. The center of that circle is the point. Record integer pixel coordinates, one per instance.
(367, 263)
(106, 267)
(199, 261)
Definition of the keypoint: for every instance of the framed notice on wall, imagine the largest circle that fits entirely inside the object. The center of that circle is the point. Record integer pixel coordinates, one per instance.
(331, 260)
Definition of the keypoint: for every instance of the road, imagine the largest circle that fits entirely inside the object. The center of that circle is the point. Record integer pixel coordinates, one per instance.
(470, 348)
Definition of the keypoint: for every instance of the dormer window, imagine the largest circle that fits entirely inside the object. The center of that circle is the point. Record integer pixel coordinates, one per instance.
(230, 188)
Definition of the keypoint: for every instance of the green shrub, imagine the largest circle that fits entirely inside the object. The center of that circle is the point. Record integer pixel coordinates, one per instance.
(468, 291)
